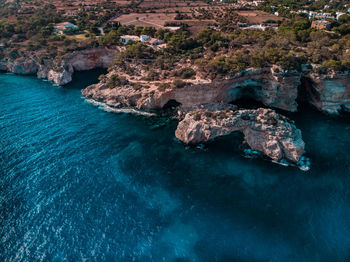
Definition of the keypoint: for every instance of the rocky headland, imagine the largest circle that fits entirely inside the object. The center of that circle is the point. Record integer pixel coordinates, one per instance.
(59, 70)
(263, 85)
(264, 130)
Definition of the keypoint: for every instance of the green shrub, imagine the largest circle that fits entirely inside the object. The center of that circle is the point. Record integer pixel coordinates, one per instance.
(178, 83)
(187, 73)
(115, 81)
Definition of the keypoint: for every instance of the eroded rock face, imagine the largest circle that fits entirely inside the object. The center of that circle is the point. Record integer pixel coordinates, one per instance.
(61, 77)
(330, 93)
(264, 85)
(264, 130)
(21, 66)
(60, 72)
(91, 58)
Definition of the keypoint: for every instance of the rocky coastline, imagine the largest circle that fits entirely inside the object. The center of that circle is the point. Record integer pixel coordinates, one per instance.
(203, 107)
(328, 93)
(198, 105)
(60, 70)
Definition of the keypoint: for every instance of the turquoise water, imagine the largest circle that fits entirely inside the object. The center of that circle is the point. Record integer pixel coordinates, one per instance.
(81, 184)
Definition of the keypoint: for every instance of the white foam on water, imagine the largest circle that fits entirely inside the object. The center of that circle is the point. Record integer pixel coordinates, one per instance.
(107, 108)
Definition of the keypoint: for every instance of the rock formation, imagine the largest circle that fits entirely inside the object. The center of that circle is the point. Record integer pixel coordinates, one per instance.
(329, 93)
(264, 131)
(60, 71)
(264, 85)
(273, 88)
(20, 66)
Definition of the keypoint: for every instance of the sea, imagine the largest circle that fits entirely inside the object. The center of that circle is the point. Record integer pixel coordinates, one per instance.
(81, 183)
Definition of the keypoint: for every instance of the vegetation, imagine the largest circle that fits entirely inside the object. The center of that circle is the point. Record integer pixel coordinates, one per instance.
(178, 83)
(219, 50)
(115, 81)
(185, 73)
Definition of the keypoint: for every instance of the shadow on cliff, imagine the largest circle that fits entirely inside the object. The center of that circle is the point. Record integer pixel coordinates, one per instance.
(82, 79)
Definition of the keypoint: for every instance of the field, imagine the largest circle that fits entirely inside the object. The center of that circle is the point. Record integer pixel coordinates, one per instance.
(158, 13)
(158, 16)
(171, 4)
(257, 17)
(149, 13)
(159, 19)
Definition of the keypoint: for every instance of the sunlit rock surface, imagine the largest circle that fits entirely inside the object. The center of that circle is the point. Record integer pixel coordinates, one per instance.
(264, 130)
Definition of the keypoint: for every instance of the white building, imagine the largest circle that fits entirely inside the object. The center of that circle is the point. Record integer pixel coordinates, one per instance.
(320, 16)
(144, 38)
(339, 14)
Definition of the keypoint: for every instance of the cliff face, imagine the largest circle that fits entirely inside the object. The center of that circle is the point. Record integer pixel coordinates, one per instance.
(330, 93)
(205, 111)
(21, 66)
(264, 130)
(60, 72)
(91, 58)
(266, 86)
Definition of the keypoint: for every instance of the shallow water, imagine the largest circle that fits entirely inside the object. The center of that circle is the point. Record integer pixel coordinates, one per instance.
(81, 184)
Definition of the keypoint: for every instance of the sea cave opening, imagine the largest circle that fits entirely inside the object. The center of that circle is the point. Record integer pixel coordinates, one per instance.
(246, 97)
(306, 93)
(171, 104)
(82, 79)
(170, 107)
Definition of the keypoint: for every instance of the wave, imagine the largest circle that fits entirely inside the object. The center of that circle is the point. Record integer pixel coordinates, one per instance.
(108, 108)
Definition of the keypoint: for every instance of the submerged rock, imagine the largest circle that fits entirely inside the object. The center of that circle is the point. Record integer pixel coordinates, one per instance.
(264, 131)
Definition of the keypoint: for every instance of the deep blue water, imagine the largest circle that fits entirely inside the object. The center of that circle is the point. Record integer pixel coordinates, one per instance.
(81, 184)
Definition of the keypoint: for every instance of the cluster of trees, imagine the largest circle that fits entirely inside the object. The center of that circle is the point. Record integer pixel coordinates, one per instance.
(39, 24)
(138, 51)
(115, 80)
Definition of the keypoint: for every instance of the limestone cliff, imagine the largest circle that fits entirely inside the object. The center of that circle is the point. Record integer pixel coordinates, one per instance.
(329, 93)
(274, 88)
(21, 66)
(264, 85)
(60, 71)
(264, 131)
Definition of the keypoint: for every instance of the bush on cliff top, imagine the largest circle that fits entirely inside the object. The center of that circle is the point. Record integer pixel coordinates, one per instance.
(178, 83)
(115, 81)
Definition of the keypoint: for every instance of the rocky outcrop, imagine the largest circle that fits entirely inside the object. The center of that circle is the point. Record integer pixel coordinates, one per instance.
(60, 71)
(264, 131)
(264, 85)
(21, 66)
(329, 93)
